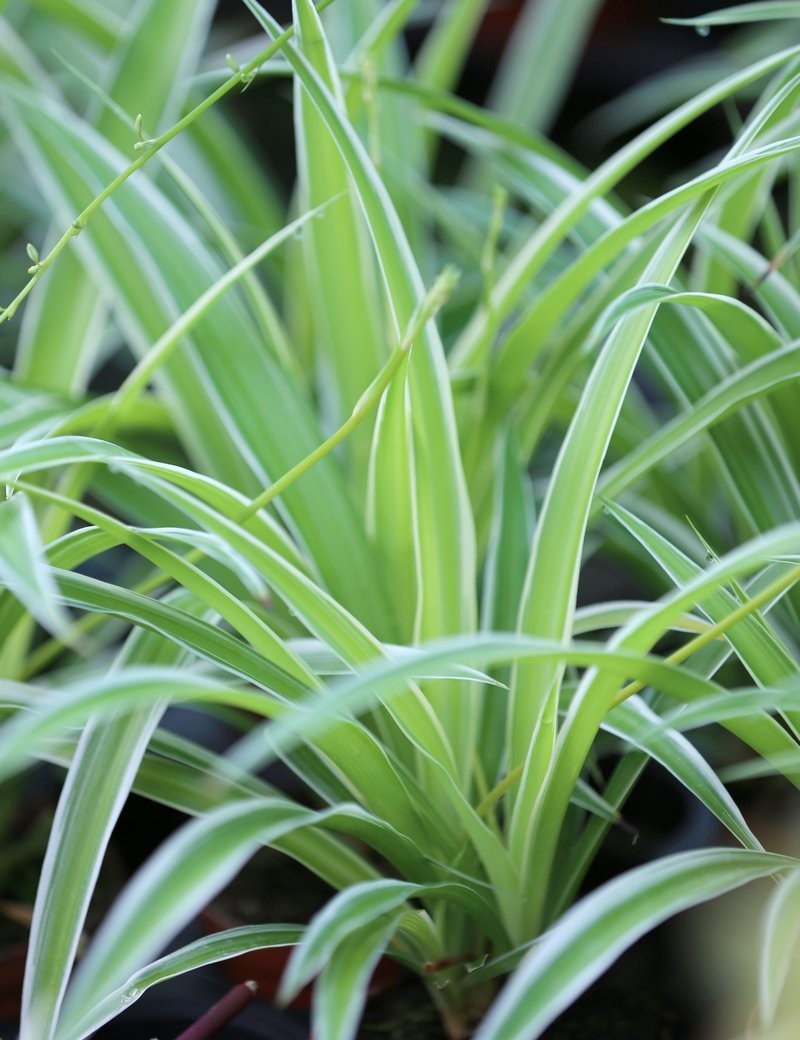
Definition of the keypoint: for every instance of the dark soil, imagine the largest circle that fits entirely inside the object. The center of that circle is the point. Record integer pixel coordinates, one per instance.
(404, 1013)
(614, 1014)
(274, 889)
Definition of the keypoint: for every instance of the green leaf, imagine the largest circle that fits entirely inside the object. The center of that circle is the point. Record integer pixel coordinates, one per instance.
(232, 407)
(98, 782)
(590, 936)
(173, 885)
(22, 410)
(211, 949)
(208, 641)
(636, 723)
(100, 24)
(342, 988)
(540, 320)
(54, 452)
(735, 704)
(625, 304)
(338, 259)
(544, 50)
(188, 575)
(585, 797)
(599, 690)
(533, 255)
(97, 786)
(23, 566)
(780, 930)
(763, 11)
(391, 503)
(443, 527)
(363, 904)
(548, 599)
(556, 555)
(58, 355)
(757, 645)
(133, 688)
(749, 383)
(508, 540)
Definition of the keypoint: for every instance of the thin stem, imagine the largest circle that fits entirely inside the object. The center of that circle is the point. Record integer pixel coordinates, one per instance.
(139, 377)
(677, 657)
(151, 146)
(430, 305)
(223, 1012)
(499, 790)
(713, 632)
(427, 309)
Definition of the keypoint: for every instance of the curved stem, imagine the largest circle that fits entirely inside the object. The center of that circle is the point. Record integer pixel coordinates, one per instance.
(148, 148)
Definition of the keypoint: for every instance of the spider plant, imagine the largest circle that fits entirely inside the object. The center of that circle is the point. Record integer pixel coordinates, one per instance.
(358, 448)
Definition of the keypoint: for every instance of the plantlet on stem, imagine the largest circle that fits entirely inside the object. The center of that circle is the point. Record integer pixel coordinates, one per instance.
(33, 253)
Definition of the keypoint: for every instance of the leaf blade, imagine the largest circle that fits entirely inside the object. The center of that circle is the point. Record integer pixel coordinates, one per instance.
(590, 936)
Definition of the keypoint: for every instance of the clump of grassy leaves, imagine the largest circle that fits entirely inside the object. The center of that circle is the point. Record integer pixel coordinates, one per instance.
(356, 454)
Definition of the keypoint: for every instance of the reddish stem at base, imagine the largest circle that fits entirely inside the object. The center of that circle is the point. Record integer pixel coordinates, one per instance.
(223, 1012)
